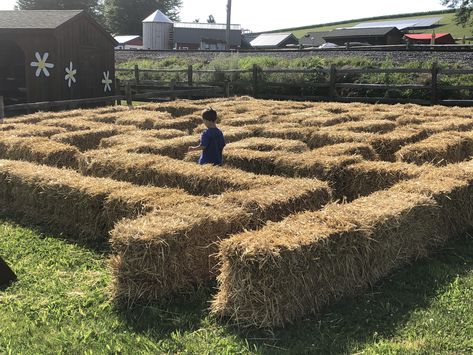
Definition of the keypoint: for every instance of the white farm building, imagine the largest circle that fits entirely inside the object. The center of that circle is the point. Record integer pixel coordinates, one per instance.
(160, 33)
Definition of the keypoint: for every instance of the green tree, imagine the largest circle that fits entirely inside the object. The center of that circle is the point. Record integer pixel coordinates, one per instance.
(93, 7)
(126, 16)
(464, 10)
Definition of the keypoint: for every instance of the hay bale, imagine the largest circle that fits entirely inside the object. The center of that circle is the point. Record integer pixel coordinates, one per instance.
(144, 119)
(40, 150)
(147, 169)
(64, 201)
(439, 149)
(72, 124)
(386, 145)
(327, 136)
(362, 179)
(87, 139)
(275, 202)
(364, 150)
(449, 124)
(368, 126)
(287, 270)
(269, 144)
(36, 130)
(168, 251)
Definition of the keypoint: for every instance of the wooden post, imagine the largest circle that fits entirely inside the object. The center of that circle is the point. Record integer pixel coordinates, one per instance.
(118, 90)
(190, 74)
(255, 80)
(333, 81)
(172, 87)
(434, 84)
(2, 109)
(137, 75)
(128, 94)
(227, 88)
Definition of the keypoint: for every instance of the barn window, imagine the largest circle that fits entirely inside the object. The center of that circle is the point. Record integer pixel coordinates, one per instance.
(12, 73)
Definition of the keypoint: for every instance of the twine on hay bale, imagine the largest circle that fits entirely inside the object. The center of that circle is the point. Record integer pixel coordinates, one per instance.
(286, 270)
(40, 150)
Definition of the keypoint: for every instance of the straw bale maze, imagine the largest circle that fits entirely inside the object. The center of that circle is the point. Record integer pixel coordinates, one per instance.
(315, 201)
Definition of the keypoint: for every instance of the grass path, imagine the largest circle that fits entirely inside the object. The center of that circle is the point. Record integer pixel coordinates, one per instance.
(61, 304)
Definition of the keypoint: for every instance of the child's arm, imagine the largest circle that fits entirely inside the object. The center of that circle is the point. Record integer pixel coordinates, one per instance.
(196, 148)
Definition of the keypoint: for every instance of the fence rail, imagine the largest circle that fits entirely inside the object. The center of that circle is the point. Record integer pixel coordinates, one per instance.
(319, 78)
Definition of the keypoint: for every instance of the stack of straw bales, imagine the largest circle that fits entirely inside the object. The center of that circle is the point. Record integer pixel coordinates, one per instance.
(439, 149)
(40, 150)
(286, 270)
(147, 169)
(369, 126)
(87, 139)
(27, 130)
(269, 144)
(364, 150)
(81, 207)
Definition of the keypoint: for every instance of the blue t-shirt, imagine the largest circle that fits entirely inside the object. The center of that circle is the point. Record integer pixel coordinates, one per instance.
(213, 141)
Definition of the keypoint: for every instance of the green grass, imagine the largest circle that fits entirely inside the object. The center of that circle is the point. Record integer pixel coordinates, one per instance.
(61, 304)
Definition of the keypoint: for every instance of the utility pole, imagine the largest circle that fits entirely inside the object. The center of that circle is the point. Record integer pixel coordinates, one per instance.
(229, 16)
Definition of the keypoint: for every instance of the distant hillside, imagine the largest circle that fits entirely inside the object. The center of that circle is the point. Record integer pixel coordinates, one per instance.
(447, 24)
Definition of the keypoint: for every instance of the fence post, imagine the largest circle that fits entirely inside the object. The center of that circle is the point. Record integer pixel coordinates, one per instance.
(129, 98)
(118, 90)
(137, 75)
(255, 80)
(190, 75)
(227, 88)
(434, 83)
(2, 109)
(333, 81)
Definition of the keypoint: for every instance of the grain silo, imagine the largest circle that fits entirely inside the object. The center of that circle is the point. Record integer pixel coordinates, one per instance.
(157, 29)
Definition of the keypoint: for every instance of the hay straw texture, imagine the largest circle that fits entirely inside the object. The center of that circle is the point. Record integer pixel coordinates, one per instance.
(288, 269)
(26, 130)
(86, 139)
(83, 208)
(268, 144)
(40, 150)
(147, 169)
(439, 149)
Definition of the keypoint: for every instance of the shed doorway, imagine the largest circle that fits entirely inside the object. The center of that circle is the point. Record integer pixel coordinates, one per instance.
(12, 73)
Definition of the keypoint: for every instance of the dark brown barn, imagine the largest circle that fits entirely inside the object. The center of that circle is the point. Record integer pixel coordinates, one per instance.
(54, 55)
(373, 36)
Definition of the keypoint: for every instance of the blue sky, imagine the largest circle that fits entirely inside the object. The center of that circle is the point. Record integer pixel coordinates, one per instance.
(260, 15)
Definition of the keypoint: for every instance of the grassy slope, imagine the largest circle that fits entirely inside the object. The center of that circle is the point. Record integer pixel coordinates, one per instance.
(447, 23)
(61, 305)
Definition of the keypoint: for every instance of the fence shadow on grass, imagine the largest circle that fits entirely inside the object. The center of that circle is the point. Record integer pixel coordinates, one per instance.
(378, 311)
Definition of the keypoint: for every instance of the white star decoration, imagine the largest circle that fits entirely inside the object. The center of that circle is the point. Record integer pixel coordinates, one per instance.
(106, 81)
(70, 75)
(42, 65)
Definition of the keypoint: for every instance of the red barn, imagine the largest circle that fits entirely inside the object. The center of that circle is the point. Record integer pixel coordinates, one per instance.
(54, 55)
(426, 38)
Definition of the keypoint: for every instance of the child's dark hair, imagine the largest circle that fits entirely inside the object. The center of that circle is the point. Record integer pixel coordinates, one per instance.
(209, 114)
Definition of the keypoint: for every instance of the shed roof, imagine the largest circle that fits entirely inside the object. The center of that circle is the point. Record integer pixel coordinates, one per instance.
(125, 39)
(157, 17)
(426, 35)
(36, 19)
(270, 39)
(360, 32)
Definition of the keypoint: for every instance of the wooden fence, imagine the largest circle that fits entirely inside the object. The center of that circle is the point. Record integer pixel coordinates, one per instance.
(326, 78)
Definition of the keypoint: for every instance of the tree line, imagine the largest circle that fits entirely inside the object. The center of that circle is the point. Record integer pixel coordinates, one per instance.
(118, 16)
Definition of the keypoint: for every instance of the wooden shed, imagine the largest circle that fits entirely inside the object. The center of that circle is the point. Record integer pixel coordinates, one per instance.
(54, 55)
(372, 36)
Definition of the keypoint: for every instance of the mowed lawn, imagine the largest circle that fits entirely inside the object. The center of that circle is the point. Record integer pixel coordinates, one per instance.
(61, 304)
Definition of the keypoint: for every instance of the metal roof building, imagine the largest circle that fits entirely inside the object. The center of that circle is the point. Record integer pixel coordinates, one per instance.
(54, 55)
(415, 23)
(313, 39)
(159, 33)
(274, 40)
(373, 36)
(428, 38)
(129, 42)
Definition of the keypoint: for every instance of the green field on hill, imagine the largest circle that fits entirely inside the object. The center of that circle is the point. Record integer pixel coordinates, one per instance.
(447, 24)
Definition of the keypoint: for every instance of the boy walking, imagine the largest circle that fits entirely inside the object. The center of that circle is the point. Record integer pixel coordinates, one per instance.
(212, 141)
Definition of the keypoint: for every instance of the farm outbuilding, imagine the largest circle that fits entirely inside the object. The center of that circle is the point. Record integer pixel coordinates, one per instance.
(160, 33)
(430, 38)
(129, 42)
(313, 39)
(54, 55)
(274, 40)
(372, 36)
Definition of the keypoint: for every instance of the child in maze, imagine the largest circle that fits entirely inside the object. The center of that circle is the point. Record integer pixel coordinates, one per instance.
(212, 141)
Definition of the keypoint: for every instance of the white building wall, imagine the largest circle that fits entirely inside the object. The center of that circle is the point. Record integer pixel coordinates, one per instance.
(156, 35)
